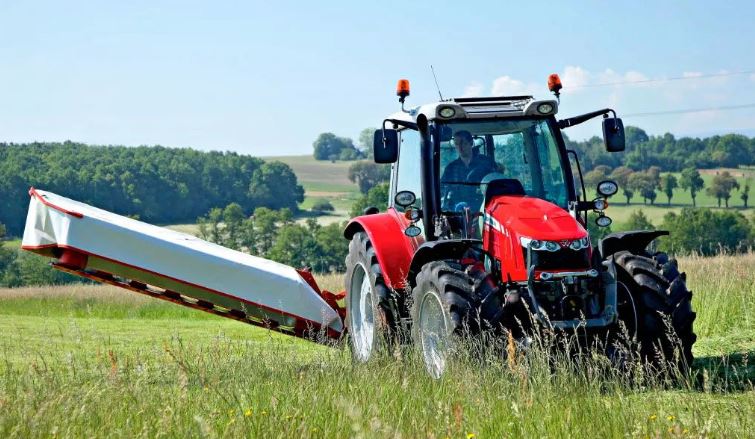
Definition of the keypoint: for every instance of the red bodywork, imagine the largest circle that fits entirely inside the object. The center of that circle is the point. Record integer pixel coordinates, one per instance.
(508, 218)
(515, 217)
(393, 248)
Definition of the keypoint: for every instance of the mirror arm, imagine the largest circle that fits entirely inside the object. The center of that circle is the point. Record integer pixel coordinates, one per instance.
(403, 123)
(580, 204)
(570, 122)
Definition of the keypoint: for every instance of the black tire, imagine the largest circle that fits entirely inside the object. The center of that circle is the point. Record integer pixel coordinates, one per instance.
(443, 298)
(362, 261)
(663, 308)
(456, 288)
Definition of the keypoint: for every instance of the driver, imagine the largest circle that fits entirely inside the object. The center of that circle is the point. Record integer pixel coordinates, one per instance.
(470, 167)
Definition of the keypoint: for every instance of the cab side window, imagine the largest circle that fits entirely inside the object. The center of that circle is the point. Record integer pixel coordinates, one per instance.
(408, 176)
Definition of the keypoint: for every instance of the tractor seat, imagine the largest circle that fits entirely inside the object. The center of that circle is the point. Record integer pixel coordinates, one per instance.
(495, 184)
(502, 186)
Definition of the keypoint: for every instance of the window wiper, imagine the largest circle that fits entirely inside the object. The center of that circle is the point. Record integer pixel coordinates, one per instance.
(465, 183)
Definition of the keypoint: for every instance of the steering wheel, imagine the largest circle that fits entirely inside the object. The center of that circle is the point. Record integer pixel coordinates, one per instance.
(476, 175)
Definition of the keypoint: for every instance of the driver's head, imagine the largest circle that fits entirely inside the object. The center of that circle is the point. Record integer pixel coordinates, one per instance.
(463, 143)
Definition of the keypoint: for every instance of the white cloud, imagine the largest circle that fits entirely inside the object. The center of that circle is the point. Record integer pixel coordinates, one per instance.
(508, 86)
(575, 76)
(473, 90)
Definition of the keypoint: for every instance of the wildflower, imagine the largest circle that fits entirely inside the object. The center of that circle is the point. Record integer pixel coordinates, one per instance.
(471, 435)
(653, 417)
(670, 418)
(264, 413)
(248, 412)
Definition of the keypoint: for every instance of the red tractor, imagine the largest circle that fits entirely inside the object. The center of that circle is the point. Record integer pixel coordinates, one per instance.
(486, 230)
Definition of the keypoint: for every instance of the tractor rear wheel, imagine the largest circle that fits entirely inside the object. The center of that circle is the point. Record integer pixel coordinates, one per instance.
(370, 319)
(442, 309)
(662, 308)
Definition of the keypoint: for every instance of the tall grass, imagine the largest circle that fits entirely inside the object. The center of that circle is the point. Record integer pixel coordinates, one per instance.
(70, 375)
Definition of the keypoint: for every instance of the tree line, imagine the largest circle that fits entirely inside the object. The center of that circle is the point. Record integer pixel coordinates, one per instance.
(273, 234)
(155, 184)
(667, 152)
(649, 182)
(693, 230)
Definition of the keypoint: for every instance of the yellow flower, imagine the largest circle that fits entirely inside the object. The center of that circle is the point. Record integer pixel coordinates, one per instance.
(248, 413)
(653, 417)
(670, 418)
(264, 413)
(471, 435)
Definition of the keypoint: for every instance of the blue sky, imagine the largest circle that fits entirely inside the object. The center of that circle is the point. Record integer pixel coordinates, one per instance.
(265, 78)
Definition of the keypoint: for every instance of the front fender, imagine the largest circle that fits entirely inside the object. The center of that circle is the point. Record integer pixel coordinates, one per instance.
(393, 249)
(634, 241)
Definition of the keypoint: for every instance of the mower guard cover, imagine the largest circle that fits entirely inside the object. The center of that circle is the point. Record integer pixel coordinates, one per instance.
(178, 267)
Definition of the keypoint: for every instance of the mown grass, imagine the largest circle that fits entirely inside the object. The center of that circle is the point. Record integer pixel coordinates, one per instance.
(86, 361)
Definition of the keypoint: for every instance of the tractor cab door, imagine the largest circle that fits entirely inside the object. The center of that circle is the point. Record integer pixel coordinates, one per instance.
(406, 176)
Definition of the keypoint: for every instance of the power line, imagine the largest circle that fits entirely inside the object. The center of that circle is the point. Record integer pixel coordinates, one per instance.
(673, 78)
(691, 110)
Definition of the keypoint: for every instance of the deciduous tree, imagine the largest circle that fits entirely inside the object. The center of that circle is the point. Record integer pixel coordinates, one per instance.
(692, 181)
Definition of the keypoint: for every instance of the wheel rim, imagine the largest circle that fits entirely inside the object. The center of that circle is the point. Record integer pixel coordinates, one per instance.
(361, 316)
(433, 334)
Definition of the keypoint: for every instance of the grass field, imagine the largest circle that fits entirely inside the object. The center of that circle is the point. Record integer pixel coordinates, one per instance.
(83, 361)
(323, 180)
(682, 198)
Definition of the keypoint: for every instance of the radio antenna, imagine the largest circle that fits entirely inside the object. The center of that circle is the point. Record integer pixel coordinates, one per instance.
(436, 82)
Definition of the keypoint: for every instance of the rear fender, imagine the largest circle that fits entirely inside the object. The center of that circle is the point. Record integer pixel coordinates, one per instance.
(392, 248)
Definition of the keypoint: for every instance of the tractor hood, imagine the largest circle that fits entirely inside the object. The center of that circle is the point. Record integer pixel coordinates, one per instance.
(534, 218)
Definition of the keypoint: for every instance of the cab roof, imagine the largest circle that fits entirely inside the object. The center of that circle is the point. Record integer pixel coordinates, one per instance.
(479, 108)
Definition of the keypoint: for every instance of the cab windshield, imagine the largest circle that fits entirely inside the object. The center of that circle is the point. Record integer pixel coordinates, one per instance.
(473, 153)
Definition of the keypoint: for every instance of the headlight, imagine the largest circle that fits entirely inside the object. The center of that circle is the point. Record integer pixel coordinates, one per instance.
(580, 244)
(544, 108)
(447, 112)
(554, 246)
(534, 244)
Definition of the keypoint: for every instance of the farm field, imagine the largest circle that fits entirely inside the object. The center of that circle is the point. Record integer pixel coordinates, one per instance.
(323, 180)
(682, 198)
(86, 360)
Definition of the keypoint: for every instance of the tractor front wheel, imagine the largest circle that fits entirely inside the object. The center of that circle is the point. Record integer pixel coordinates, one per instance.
(369, 316)
(441, 309)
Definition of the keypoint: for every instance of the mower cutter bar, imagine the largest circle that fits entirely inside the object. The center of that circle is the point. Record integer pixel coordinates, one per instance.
(299, 330)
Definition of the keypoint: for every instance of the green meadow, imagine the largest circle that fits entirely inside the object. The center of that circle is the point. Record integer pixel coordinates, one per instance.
(85, 360)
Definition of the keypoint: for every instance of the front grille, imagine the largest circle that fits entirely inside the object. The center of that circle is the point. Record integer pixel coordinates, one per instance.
(563, 259)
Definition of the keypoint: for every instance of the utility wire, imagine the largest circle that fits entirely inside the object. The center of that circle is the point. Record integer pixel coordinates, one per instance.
(691, 110)
(673, 78)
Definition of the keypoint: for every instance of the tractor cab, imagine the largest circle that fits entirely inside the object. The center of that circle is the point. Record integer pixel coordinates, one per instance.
(455, 156)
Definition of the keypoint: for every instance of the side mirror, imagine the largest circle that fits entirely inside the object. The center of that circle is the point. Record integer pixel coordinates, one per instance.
(607, 188)
(613, 134)
(385, 146)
